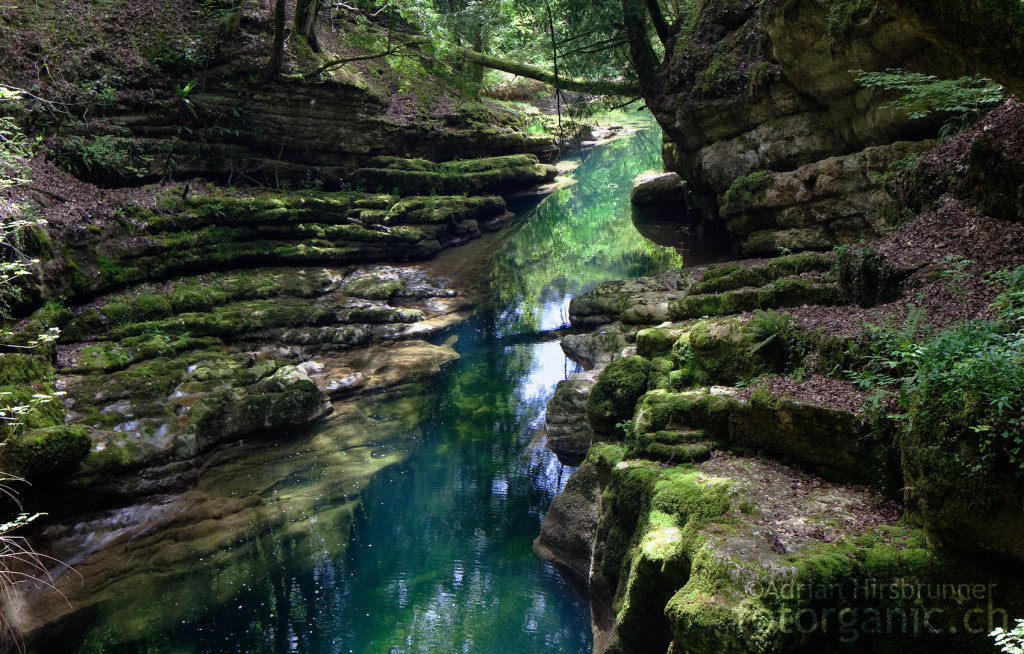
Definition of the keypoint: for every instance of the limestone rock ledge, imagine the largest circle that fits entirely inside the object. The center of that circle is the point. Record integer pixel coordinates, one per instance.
(767, 125)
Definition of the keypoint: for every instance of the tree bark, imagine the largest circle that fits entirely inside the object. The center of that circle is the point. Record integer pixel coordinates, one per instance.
(658, 19)
(645, 61)
(277, 49)
(234, 21)
(477, 71)
(987, 35)
(594, 87)
(305, 21)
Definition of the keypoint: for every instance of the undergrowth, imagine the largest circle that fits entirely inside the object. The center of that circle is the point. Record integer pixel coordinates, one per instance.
(921, 95)
(962, 387)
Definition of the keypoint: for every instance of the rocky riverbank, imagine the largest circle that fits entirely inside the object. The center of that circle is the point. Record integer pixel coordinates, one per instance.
(771, 424)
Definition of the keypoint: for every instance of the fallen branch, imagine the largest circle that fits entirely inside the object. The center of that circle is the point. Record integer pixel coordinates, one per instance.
(335, 63)
(593, 87)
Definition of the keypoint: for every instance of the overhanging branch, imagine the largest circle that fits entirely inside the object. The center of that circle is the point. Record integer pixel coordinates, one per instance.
(593, 87)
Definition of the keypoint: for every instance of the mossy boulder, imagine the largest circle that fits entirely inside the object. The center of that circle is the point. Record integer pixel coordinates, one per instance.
(726, 555)
(278, 404)
(24, 369)
(474, 176)
(656, 341)
(374, 287)
(976, 511)
(46, 454)
(728, 351)
(565, 421)
(613, 398)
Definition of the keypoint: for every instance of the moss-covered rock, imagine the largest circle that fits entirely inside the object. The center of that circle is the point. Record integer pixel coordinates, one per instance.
(18, 368)
(278, 404)
(565, 421)
(729, 350)
(656, 342)
(976, 511)
(732, 554)
(474, 176)
(46, 454)
(613, 398)
(775, 139)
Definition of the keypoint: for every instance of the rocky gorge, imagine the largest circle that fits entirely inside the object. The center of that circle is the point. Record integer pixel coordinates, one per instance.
(260, 287)
(754, 476)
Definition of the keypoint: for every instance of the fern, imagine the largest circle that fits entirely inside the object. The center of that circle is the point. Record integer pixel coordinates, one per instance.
(921, 95)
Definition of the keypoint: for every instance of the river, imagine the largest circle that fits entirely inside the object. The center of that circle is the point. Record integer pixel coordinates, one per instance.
(404, 524)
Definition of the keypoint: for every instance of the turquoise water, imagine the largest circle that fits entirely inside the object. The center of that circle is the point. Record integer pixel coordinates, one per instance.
(437, 556)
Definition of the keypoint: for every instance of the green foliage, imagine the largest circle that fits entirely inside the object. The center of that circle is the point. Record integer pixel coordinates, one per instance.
(746, 189)
(16, 223)
(1012, 641)
(15, 150)
(765, 324)
(922, 95)
(102, 155)
(844, 14)
(963, 387)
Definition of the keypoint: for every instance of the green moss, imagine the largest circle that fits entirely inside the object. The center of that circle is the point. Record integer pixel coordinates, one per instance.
(16, 369)
(865, 276)
(42, 415)
(45, 454)
(115, 457)
(613, 397)
(697, 409)
(745, 190)
(762, 399)
(661, 370)
(422, 177)
(655, 342)
(605, 455)
(725, 352)
(715, 304)
(373, 287)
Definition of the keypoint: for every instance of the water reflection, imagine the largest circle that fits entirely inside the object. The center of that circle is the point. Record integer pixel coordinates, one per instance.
(341, 541)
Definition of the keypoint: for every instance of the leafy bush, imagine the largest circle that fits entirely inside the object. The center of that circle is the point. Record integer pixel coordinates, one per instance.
(969, 384)
(964, 387)
(921, 95)
(102, 156)
(1011, 642)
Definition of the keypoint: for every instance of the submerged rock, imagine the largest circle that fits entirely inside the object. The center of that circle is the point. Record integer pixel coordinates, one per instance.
(654, 187)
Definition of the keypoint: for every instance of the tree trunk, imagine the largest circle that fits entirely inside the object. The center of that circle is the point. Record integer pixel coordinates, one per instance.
(234, 21)
(305, 21)
(658, 18)
(277, 49)
(987, 35)
(477, 71)
(644, 59)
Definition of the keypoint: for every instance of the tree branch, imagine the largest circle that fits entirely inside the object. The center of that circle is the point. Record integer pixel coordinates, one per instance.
(658, 18)
(334, 63)
(594, 87)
